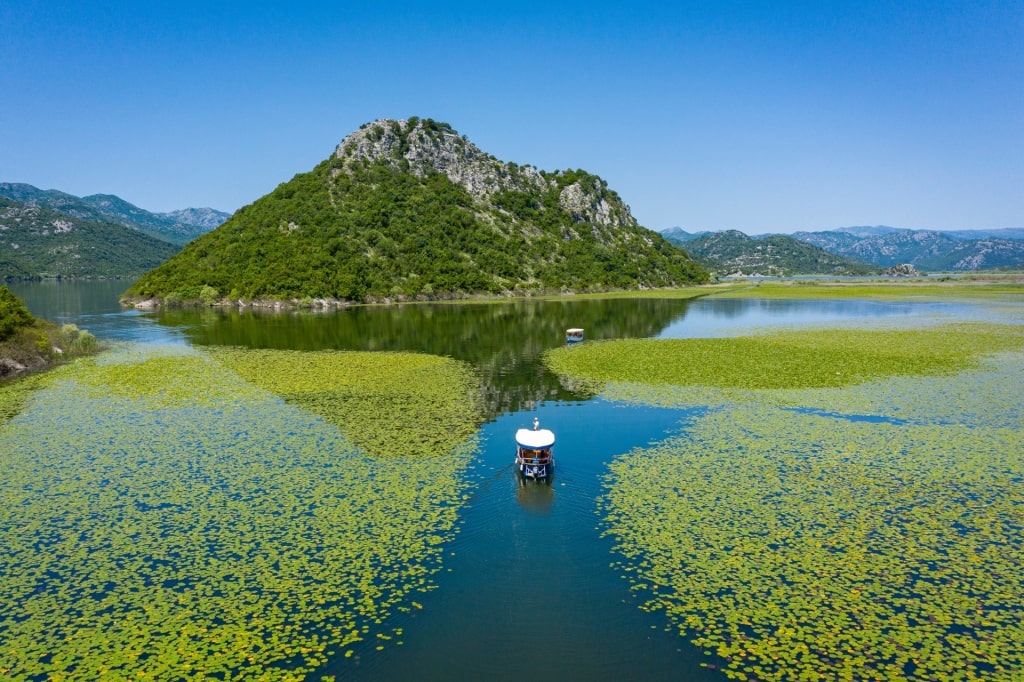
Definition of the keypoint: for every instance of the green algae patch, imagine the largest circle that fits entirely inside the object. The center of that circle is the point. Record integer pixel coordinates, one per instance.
(995, 287)
(795, 546)
(799, 359)
(389, 404)
(16, 393)
(231, 536)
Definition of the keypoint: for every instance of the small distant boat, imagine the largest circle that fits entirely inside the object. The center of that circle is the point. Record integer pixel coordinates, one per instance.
(573, 335)
(533, 451)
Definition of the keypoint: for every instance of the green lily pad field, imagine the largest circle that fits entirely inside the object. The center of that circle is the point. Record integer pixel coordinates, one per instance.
(849, 506)
(164, 518)
(389, 404)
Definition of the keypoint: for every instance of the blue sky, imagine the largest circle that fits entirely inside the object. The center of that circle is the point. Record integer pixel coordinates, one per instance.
(756, 116)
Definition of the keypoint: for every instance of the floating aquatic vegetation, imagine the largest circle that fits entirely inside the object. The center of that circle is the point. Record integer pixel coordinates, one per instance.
(389, 404)
(873, 533)
(892, 290)
(800, 359)
(794, 546)
(15, 393)
(228, 536)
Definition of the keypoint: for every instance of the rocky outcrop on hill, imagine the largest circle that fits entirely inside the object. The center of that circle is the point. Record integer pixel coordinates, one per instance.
(424, 147)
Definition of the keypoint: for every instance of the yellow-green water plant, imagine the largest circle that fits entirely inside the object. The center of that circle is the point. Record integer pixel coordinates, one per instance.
(831, 530)
(795, 359)
(15, 394)
(994, 288)
(983, 394)
(792, 546)
(389, 404)
(163, 518)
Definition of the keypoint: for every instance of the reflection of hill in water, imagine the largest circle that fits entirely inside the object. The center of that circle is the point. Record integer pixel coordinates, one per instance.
(504, 341)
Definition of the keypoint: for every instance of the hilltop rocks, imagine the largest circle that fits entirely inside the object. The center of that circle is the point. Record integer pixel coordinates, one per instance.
(425, 146)
(422, 147)
(589, 203)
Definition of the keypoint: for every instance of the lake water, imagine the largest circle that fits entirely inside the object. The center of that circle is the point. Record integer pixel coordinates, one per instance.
(527, 589)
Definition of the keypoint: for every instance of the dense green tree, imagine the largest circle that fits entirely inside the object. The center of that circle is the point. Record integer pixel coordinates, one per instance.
(13, 314)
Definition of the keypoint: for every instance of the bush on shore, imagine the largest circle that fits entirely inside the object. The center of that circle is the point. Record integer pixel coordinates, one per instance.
(28, 344)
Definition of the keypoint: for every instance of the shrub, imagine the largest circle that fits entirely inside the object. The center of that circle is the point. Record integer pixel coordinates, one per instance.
(84, 344)
(13, 314)
(208, 295)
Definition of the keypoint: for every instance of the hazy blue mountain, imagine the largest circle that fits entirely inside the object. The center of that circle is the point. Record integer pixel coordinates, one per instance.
(927, 250)
(678, 235)
(178, 227)
(871, 230)
(204, 218)
(1016, 233)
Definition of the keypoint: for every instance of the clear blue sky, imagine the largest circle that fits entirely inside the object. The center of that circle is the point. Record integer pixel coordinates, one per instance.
(757, 116)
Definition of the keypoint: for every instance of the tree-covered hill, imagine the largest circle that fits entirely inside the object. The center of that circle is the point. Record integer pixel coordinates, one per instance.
(411, 209)
(732, 252)
(36, 242)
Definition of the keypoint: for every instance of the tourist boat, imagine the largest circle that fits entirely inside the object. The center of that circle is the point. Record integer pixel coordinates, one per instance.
(533, 451)
(573, 335)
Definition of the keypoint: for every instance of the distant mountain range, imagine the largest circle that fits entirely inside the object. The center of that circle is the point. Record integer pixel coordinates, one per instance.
(873, 246)
(734, 253)
(926, 250)
(177, 227)
(37, 242)
(965, 235)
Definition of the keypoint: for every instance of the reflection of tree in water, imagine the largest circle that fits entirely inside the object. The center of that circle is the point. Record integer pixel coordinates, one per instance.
(503, 341)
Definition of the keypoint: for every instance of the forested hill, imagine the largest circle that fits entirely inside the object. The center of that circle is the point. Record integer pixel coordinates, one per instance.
(36, 242)
(176, 227)
(411, 209)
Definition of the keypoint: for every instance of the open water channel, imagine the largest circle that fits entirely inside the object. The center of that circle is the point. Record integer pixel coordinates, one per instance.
(527, 590)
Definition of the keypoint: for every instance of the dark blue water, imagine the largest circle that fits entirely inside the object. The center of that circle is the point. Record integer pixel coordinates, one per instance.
(530, 593)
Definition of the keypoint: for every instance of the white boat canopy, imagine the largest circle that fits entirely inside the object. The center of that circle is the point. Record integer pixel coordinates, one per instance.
(535, 439)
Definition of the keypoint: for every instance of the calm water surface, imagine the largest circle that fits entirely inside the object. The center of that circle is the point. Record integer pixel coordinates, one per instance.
(527, 590)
